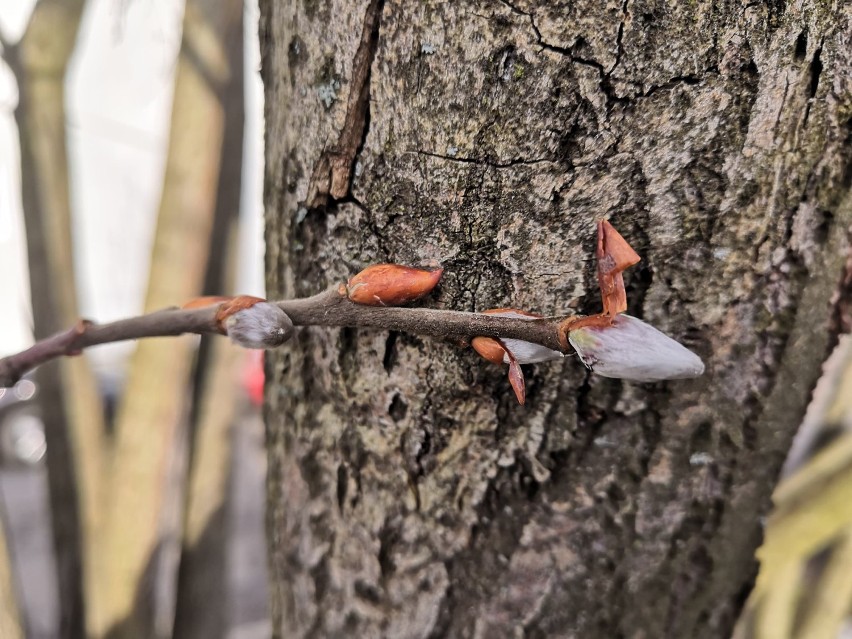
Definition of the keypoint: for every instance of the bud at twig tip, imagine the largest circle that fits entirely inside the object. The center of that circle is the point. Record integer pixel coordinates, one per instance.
(261, 325)
(628, 348)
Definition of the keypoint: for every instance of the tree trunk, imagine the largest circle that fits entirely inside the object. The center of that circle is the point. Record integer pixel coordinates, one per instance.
(10, 617)
(139, 529)
(202, 596)
(73, 416)
(409, 495)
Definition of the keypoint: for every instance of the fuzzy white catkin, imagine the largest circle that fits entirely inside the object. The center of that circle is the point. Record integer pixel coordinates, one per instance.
(633, 350)
(262, 325)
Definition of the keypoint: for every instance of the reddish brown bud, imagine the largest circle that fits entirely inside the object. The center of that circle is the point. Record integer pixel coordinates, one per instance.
(494, 351)
(391, 284)
(207, 300)
(489, 348)
(614, 255)
(525, 352)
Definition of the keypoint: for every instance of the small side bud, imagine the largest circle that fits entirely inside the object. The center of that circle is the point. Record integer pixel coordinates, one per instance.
(261, 325)
(513, 352)
(391, 284)
(490, 349)
(525, 352)
(628, 348)
(252, 322)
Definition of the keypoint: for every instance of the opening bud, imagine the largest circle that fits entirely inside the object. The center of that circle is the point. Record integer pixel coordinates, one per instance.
(262, 325)
(525, 352)
(252, 322)
(513, 352)
(628, 348)
(391, 284)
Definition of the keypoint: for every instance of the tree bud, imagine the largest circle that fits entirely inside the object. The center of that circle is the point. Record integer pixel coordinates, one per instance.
(628, 348)
(391, 284)
(513, 352)
(525, 352)
(207, 300)
(261, 325)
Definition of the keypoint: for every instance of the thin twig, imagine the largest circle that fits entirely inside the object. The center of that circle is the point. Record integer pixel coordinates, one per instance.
(332, 309)
(84, 334)
(329, 308)
(624, 347)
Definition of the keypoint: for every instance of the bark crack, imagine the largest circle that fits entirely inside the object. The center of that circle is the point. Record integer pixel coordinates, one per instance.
(369, 220)
(781, 106)
(486, 161)
(691, 79)
(332, 174)
(567, 52)
(619, 46)
(604, 74)
(814, 71)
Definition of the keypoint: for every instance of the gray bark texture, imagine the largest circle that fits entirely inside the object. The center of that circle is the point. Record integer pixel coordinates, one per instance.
(409, 494)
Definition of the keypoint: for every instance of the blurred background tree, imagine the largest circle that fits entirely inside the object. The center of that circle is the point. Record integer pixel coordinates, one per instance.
(73, 419)
(141, 509)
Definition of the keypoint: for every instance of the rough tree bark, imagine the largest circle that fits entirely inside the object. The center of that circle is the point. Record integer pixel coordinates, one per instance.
(409, 496)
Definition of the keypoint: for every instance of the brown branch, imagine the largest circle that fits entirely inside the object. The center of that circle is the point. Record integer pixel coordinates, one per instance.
(330, 308)
(168, 322)
(333, 309)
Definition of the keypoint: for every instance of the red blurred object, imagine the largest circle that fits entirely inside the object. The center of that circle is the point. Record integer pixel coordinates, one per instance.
(253, 377)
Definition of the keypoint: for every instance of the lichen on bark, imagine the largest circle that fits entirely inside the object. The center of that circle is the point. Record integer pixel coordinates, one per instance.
(408, 495)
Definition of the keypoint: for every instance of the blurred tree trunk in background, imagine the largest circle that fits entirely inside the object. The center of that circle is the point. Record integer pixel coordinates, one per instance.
(153, 413)
(73, 414)
(804, 588)
(202, 603)
(10, 618)
(409, 495)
